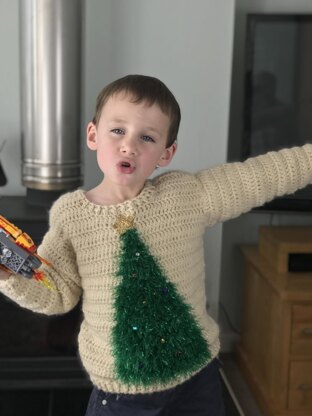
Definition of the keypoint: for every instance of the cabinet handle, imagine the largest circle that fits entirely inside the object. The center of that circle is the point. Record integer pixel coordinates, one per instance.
(305, 387)
(306, 331)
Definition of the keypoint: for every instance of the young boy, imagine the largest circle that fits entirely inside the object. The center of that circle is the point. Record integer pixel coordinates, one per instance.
(132, 248)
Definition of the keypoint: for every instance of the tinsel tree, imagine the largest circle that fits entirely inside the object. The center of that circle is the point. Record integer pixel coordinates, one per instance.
(155, 336)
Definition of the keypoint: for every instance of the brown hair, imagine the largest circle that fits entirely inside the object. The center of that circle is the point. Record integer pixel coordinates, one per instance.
(144, 88)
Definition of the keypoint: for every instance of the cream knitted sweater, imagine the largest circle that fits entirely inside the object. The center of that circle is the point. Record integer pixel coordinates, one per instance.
(170, 216)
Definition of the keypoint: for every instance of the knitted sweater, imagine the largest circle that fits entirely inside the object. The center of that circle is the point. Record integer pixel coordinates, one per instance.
(139, 268)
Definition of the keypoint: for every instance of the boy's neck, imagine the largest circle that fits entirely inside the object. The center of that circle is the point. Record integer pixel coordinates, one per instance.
(106, 195)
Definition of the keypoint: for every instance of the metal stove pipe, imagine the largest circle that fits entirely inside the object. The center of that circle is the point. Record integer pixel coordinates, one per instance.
(50, 52)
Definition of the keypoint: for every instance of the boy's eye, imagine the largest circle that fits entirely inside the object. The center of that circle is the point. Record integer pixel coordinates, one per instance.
(117, 131)
(148, 139)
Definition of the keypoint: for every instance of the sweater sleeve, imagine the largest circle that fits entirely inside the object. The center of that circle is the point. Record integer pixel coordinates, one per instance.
(57, 249)
(234, 188)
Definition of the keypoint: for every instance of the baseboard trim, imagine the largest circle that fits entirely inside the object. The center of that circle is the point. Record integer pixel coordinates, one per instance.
(231, 393)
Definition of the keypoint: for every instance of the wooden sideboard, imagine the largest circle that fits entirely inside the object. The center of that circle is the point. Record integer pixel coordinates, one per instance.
(275, 351)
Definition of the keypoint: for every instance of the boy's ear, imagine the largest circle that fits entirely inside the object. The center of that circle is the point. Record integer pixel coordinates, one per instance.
(91, 136)
(167, 155)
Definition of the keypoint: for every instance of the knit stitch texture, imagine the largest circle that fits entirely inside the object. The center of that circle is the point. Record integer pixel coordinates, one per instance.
(171, 215)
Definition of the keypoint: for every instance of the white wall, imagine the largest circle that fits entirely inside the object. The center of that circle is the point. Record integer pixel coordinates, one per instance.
(9, 96)
(188, 44)
(244, 230)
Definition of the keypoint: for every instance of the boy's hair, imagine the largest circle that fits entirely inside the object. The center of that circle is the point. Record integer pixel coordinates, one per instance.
(144, 88)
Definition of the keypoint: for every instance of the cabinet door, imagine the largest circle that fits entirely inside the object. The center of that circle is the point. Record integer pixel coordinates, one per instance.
(301, 334)
(266, 335)
(300, 386)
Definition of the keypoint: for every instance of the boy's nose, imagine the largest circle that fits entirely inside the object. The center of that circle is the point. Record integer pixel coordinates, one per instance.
(129, 146)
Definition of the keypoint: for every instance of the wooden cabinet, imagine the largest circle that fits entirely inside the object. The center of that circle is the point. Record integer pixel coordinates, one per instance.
(275, 351)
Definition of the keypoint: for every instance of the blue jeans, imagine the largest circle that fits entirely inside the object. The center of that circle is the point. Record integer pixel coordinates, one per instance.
(201, 395)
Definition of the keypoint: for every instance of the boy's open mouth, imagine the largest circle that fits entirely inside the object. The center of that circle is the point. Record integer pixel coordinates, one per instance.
(125, 164)
(126, 167)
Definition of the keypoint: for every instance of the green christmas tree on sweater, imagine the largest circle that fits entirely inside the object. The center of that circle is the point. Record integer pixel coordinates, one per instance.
(155, 338)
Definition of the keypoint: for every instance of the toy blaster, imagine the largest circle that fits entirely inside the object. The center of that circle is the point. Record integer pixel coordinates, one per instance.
(18, 253)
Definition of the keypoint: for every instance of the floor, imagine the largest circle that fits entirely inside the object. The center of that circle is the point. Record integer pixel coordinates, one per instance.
(238, 388)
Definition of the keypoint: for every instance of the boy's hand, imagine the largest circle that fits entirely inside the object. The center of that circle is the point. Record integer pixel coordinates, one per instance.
(4, 275)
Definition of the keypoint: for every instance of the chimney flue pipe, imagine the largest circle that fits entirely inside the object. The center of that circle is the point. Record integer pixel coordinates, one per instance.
(50, 52)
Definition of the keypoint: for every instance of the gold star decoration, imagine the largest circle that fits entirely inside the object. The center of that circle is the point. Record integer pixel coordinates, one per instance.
(124, 223)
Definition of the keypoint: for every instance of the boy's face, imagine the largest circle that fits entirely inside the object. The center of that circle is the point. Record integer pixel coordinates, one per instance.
(130, 140)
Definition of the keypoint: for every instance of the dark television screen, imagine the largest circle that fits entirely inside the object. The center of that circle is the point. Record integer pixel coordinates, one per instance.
(278, 91)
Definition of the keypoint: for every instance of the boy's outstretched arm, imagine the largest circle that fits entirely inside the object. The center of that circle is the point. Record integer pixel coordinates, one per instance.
(236, 188)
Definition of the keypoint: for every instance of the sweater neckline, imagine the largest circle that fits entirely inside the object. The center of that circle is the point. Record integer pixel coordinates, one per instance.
(141, 198)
